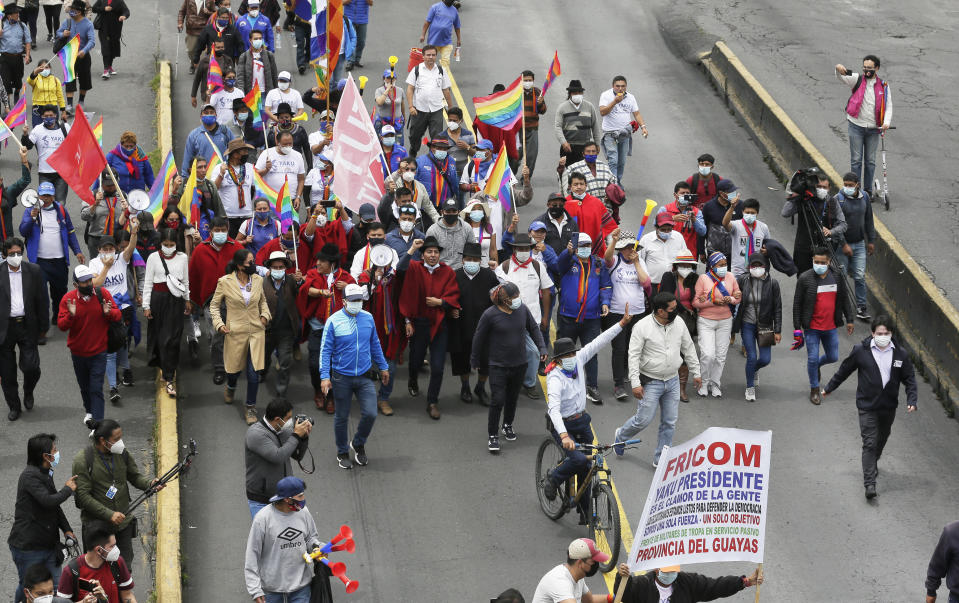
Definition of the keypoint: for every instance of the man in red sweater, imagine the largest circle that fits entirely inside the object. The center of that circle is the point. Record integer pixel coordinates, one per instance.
(589, 214)
(87, 315)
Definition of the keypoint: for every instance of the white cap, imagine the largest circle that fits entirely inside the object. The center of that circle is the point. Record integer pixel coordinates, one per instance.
(82, 273)
(584, 239)
(387, 129)
(284, 75)
(353, 292)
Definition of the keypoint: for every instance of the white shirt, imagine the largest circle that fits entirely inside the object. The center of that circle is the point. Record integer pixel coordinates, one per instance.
(229, 195)
(867, 111)
(222, 101)
(259, 75)
(558, 585)
(276, 96)
(49, 246)
(315, 180)
(360, 258)
(46, 141)
(621, 114)
(428, 88)
(658, 254)
(116, 281)
(566, 396)
(316, 138)
(658, 350)
(285, 167)
(740, 243)
(16, 292)
(665, 592)
(178, 266)
(528, 281)
(626, 287)
(883, 359)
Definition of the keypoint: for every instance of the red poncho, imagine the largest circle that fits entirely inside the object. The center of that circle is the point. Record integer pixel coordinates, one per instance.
(320, 307)
(304, 254)
(384, 305)
(207, 265)
(593, 219)
(331, 232)
(418, 284)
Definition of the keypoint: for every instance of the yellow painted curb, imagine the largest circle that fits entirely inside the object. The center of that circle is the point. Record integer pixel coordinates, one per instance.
(167, 584)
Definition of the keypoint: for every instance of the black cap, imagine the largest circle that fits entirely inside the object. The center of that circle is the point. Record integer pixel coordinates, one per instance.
(106, 241)
(521, 239)
(330, 252)
(11, 9)
(556, 197)
(563, 347)
(450, 204)
(574, 86)
(431, 241)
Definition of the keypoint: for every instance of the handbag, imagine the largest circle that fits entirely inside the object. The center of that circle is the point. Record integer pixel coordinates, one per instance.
(116, 331)
(765, 337)
(174, 284)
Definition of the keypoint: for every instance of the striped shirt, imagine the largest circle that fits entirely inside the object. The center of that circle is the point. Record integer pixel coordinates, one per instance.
(595, 185)
(533, 107)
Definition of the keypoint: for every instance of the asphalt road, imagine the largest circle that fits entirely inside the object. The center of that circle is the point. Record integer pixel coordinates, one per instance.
(792, 48)
(438, 518)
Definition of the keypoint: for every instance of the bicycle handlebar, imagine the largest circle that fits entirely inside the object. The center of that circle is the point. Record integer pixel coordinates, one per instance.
(605, 447)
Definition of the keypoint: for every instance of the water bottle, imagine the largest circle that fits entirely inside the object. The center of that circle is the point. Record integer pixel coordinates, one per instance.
(456, 54)
(279, 41)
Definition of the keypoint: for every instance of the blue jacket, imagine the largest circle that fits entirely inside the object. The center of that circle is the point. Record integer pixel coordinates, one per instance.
(126, 181)
(599, 290)
(394, 239)
(398, 153)
(357, 11)
(261, 23)
(84, 29)
(197, 145)
(349, 343)
(450, 184)
(30, 230)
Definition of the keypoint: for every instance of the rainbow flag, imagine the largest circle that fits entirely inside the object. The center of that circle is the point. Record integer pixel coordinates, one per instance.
(18, 115)
(5, 132)
(262, 189)
(503, 109)
(189, 204)
(160, 191)
(68, 58)
(98, 131)
(552, 72)
(334, 33)
(284, 207)
(254, 102)
(499, 181)
(215, 160)
(214, 75)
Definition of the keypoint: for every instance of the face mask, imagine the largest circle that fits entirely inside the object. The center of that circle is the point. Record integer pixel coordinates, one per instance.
(254, 13)
(720, 271)
(757, 272)
(822, 193)
(454, 125)
(262, 215)
(480, 155)
(286, 123)
(868, 73)
(297, 505)
(515, 303)
(583, 252)
(440, 154)
(671, 316)
(406, 226)
(354, 307)
(56, 455)
(592, 571)
(471, 267)
(126, 151)
(112, 556)
(450, 218)
(250, 269)
(208, 120)
(219, 238)
(820, 268)
(579, 196)
(277, 274)
(568, 363)
(321, 220)
(375, 241)
(590, 158)
(667, 578)
(283, 85)
(409, 176)
(229, 82)
(389, 141)
(849, 192)
(662, 235)
(173, 223)
(117, 448)
(704, 170)
(732, 197)
(477, 215)
(284, 149)
(749, 219)
(684, 272)
(576, 98)
(15, 260)
(556, 212)
(105, 256)
(527, 85)
(49, 121)
(257, 44)
(45, 72)
(73, 14)
(43, 599)
(85, 290)
(882, 341)
(222, 23)
(522, 256)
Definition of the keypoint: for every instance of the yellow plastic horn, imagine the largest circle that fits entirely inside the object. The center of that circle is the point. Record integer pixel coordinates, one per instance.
(363, 80)
(393, 61)
(301, 117)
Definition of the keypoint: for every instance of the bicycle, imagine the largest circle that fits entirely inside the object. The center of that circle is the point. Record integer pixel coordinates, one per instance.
(603, 516)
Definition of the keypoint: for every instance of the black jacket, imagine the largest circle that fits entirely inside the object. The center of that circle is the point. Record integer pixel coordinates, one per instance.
(688, 588)
(301, 143)
(804, 301)
(290, 312)
(779, 257)
(38, 518)
(770, 304)
(232, 43)
(554, 238)
(474, 299)
(35, 306)
(870, 394)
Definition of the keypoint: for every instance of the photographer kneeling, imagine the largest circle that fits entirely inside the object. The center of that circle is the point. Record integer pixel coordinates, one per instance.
(270, 444)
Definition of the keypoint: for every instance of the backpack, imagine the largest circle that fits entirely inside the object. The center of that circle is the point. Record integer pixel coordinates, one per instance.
(116, 331)
(74, 566)
(694, 186)
(416, 70)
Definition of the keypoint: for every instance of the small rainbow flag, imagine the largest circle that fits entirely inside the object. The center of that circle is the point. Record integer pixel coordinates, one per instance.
(68, 58)
(160, 192)
(552, 72)
(254, 101)
(215, 160)
(189, 204)
(5, 132)
(262, 189)
(503, 109)
(284, 207)
(98, 131)
(214, 76)
(18, 115)
(499, 179)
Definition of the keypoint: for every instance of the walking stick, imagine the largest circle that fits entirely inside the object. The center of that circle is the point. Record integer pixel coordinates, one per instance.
(176, 64)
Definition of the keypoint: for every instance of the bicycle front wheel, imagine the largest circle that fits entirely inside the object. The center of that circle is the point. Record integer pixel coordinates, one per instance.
(604, 524)
(549, 456)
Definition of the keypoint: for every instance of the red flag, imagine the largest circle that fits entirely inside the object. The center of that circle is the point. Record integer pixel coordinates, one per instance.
(79, 160)
(359, 174)
(500, 137)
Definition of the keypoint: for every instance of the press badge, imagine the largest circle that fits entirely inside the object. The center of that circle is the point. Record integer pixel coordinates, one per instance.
(112, 491)
(897, 363)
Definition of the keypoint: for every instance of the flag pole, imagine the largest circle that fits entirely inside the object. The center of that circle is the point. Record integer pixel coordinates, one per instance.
(13, 134)
(329, 72)
(522, 116)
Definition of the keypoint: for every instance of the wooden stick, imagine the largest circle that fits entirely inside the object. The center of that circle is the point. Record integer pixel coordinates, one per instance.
(760, 574)
(622, 589)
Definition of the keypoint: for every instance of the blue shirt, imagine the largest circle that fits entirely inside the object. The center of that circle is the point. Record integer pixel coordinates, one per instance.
(15, 37)
(357, 11)
(245, 25)
(83, 28)
(258, 235)
(599, 291)
(442, 20)
(349, 344)
(197, 145)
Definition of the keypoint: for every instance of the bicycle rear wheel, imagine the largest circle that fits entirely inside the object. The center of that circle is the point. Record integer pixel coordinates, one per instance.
(549, 456)
(604, 524)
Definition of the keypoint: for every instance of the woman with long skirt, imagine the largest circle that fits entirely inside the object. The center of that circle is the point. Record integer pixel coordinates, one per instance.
(166, 299)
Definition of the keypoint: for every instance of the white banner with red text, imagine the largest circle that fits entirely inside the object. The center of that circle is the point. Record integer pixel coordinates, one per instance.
(358, 173)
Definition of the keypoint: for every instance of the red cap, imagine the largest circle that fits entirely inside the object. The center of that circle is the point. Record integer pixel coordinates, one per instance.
(584, 548)
(664, 218)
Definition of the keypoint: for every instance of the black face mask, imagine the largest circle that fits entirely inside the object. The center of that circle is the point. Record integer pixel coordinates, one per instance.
(671, 316)
(451, 218)
(868, 73)
(592, 571)
(557, 212)
(251, 269)
(374, 241)
(86, 290)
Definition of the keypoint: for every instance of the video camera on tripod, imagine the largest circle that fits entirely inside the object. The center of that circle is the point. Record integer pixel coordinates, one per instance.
(803, 183)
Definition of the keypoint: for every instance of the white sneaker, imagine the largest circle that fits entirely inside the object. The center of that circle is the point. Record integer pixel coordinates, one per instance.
(703, 390)
(715, 391)
(86, 419)
(655, 464)
(750, 394)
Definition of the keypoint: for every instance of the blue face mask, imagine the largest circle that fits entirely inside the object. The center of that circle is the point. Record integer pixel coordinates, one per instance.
(56, 459)
(287, 244)
(242, 116)
(389, 141)
(127, 152)
(481, 155)
(229, 82)
(583, 252)
(720, 271)
(222, 23)
(262, 215)
(471, 267)
(208, 120)
(849, 192)
(440, 154)
(589, 158)
(219, 237)
(477, 215)
(277, 274)
(667, 578)
(568, 363)
(820, 268)
(662, 235)
(257, 44)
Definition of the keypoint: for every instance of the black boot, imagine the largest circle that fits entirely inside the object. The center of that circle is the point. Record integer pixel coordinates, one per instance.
(481, 395)
(465, 394)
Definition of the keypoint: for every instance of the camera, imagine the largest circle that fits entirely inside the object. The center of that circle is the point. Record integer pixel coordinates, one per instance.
(300, 418)
(689, 197)
(804, 182)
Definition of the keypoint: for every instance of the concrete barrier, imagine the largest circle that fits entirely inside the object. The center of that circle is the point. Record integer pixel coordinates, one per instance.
(167, 585)
(926, 320)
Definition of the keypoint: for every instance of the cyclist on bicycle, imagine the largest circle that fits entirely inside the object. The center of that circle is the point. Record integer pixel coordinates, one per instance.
(566, 405)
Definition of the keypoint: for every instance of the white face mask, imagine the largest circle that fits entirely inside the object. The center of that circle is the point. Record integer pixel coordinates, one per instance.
(106, 256)
(454, 125)
(406, 226)
(354, 307)
(704, 170)
(321, 220)
(288, 424)
(169, 250)
(584, 252)
(522, 256)
(15, 260)
(117, 448)
(684, 272)
(284, 86)
(576, 98)
(254, 13)
(822, 193)
(527, 85)
(568, 363)
(284, 149)
(749, 218)
(882, 341)
(515, 303)
(409, 176)
(758, 272)
(720, 271)
(43, 599)
(113, 555)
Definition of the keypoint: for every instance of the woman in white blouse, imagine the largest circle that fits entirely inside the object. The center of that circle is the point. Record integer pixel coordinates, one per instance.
(476, 215)
(166, 299)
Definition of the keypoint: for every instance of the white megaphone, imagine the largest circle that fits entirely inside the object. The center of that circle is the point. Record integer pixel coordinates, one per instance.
(29, 198)
(138, 200)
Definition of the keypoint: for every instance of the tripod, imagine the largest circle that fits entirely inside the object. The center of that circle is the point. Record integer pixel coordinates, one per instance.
(174, 473)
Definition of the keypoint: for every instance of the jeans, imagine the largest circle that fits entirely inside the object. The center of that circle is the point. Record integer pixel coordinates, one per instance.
(713, 345)
(29, 363)
(255, 507)
(619, 347)
(280, 341)
(387, 390)
(855, 266)
(656, 394)
(360, 29)
(23, 559)
(504, 383)
(863, 143)
(55, 277)
(754, 363)
(344, 386)
(302, 32)
(437, 346)
(830, 345)
(121, 357)
(587, 330)
(314, 342)
(530, 378)
(297, 596)
(874, 426)
(252, 381)
(89, 371)
(616, 151)
(575, 463)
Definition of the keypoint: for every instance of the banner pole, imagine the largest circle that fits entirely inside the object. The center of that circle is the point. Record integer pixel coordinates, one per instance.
(621, 590)
(757, 583)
